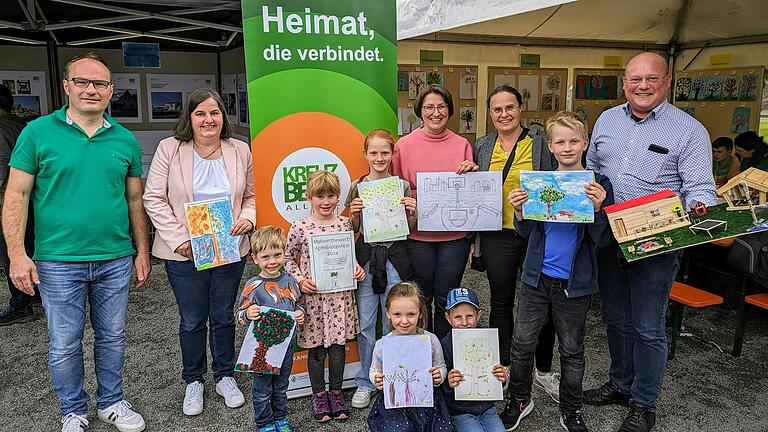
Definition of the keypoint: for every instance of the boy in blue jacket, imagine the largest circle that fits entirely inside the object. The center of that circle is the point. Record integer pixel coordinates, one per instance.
(559, 271)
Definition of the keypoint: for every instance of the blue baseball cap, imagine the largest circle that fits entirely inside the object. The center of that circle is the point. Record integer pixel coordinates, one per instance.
(460, 295)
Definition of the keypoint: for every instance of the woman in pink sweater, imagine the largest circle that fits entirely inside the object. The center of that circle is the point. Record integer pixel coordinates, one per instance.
(437, 258)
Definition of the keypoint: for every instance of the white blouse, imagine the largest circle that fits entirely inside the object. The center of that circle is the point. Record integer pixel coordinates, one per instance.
(209, 178)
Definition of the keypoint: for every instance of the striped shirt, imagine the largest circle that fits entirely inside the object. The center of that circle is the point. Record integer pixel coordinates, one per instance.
(668, 149)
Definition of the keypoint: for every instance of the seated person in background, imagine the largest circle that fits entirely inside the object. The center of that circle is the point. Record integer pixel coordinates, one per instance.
(723, 166)
(751, 150)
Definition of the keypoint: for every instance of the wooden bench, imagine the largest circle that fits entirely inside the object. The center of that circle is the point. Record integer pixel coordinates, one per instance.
(759, 300)
(684, 295)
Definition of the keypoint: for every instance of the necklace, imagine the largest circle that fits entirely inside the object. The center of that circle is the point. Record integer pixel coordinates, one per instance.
(209, 154)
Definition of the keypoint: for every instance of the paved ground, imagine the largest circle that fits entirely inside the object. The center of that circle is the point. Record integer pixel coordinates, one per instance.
(704, 388)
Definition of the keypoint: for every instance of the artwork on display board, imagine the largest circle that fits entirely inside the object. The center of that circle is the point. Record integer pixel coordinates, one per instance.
(402, 81)
(550, 93)
(243, 115)
(682, 89)
(748, 90)
(581, 87)
(407, 120)
(730, 90)
(383, 218)
(332, 258)
(557, 196)
(740, 119)
(434, 77)
(504, 80)
(582, 112)
(610, 87)
(417, 81)
(475, 353)
(209, 223)
(266, 342)
(596, 86)
(406, 361)
(713, 87)
(125, 104)
(167, 93)
(229, 96)
(468, 120)
(529, 90)
(468, 85)
(459, 202)
(534, 124)
(30, 96)
(697, 89)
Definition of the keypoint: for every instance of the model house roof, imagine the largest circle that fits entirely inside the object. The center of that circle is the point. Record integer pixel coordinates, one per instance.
(755, 178)
(645, 199)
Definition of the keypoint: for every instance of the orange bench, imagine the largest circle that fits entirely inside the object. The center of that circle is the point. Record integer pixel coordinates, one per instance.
(759, 300)
(684, 295)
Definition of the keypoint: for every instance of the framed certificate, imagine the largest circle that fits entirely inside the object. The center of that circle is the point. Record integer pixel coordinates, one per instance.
(332, 260)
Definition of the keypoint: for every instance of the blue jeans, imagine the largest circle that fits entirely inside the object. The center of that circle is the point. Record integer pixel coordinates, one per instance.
(368, 305)
(203, 296)
(65, 287)
(270, 400)
(488, 421)
(438, 268)
(633, 301)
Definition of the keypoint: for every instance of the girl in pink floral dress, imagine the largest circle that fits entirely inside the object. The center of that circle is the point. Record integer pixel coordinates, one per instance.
(331, 318)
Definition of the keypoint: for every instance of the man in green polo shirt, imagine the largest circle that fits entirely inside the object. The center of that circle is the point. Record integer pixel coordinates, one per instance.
(82, 172)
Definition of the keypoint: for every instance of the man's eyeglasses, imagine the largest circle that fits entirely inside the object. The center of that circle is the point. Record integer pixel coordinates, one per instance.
(84, 83)
(498, 111)
(431, 108)
(653, 80)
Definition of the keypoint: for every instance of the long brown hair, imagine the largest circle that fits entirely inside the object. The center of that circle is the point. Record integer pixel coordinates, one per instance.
(409, 290)
(183, 129)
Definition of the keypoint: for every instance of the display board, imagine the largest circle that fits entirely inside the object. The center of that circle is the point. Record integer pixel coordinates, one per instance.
(726, 101)
(166, 94)
(594, 91)
(30, 97)
(460, 80)
(543, 91)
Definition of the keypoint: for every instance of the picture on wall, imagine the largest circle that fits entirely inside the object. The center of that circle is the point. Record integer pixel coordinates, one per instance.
(434, 77)
(230, 103)
(468, 120)
(730, 90)
(529, 90)
(124, 103)
(468, 85)
(23, 87)
(748, 91)
(167, 92)
(243, 108)
(243, 116)
(697, 88)
(29, 92)
(581, 88)
(10, 85)
(504, 80)
(229, 95)
(27, 108)
(682, 89)
(712, 88)
(595, 86)
(740, 119)
(417, 81)
(166, 105)
(408, 122)
(610, 87)
(402, 81)
(581, 112)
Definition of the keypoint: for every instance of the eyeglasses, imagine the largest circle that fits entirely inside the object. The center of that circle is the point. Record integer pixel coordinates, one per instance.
(653, 80)
(431, 108)
(84, 83)
(499, 111)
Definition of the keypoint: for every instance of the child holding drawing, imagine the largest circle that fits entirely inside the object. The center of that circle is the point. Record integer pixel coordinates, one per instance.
(385, 263)
(331, 317)
(406, 311)
(275, 289)
(559, 272)
(463, 312)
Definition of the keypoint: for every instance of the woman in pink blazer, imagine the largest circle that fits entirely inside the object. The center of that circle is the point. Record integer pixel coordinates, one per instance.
(202, 161)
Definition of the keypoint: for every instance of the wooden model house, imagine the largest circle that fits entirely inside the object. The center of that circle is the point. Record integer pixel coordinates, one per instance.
(734, 194)
(646, 216)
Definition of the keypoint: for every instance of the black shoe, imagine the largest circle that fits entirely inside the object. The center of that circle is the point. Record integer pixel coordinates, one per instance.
(9, 315)
(572, 421)
(606, 394)
(639, 419)
(514, 412)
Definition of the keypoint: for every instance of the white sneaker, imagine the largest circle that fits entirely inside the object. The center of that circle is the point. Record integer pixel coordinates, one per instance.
(227, 388)
(123, 417)
(73, 423)
(549, 382)
(193, 399)
(361, 398)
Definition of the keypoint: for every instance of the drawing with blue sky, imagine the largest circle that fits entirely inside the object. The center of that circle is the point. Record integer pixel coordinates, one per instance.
(557, 196)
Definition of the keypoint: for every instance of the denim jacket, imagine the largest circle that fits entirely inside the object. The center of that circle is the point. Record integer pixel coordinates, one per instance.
(583, 279)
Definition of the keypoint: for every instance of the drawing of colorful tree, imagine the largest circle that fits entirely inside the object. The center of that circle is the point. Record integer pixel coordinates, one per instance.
(731, 88)
(468, 117)
(712, 88)
(748, 87)
(697, 86)
(417, 82)
(582, 82)
(476, 352)
(273, 328)
(682, 89)
(526, 94)
(597, 84)
(435, 77)
(549, 196)
(401, 377)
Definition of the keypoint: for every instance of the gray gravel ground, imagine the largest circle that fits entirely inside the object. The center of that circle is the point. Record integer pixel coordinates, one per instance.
(704, 388)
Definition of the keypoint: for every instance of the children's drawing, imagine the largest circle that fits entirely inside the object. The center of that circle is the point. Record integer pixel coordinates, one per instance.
(595, 86)
(536, 123)
(459, 202)
(581, 112)
(407, 381)
(697, 89)
(468, 120)
(713, 88)
(581, 89)
(468, 85)
(529, 90)
(408, 122)
(475, 352)
(266, 342)
(682, 89)
(402, 81)
(434, 77)
(503, 80)
(740, 119)
(209, 223)
(610, 87)
(557, 196)
(550, 89)
(730, 89)
(417, 81)
(384, 217)
(748, 91)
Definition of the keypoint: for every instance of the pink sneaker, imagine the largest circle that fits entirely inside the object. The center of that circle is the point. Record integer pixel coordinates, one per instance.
(320, 408)
(339, 409)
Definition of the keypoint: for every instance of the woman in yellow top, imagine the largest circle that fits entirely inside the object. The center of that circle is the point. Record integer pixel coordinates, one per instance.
(511, 148)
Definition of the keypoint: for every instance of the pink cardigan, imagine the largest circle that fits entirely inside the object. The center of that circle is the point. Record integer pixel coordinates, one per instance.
(169, 187)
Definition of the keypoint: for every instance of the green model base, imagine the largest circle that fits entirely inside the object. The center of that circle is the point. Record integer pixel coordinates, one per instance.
(739, 222)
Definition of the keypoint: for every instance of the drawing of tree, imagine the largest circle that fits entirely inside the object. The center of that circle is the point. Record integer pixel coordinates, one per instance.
(582, 82)
(273, 327)
(417, 82)
(476, 352)
(682, 89)
(697, 86)
(549, 196)
(712, 88)
(526, 94)
(468, 117)
(553, 83)
(401, 377)
(434, 77)
(739, 120)
(748, 85)
(731, 88)
(597, 84)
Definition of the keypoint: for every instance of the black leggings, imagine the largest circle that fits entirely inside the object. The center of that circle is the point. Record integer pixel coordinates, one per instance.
(337, 356)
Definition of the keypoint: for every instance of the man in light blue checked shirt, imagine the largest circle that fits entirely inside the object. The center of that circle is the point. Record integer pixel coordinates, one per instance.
(644, 146)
